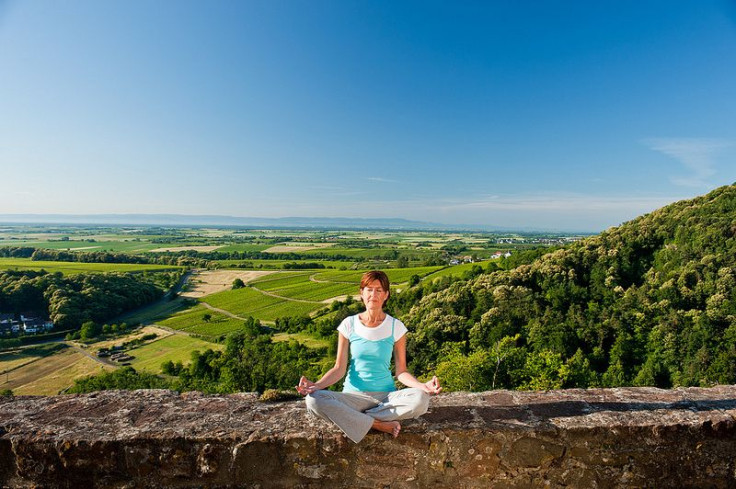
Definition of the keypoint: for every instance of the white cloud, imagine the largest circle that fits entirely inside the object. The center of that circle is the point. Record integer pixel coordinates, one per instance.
(696, 154)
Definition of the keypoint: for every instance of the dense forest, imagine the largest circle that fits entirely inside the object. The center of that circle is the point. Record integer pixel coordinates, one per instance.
(651, 302)
(71, 300)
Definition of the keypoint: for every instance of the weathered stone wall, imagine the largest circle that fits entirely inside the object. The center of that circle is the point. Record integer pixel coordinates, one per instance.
(605, 438)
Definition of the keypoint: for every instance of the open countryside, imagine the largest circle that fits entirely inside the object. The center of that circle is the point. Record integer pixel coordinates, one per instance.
(283, 274)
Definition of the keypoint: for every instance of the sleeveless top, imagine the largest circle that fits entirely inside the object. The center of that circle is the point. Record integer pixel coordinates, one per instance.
(370, 362)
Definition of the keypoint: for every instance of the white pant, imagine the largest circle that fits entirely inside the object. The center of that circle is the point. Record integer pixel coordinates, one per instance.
(354, 412)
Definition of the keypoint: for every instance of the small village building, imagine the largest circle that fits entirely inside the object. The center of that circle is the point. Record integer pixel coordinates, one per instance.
(28, 323)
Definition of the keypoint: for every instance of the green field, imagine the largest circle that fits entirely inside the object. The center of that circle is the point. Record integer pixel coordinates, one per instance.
(395, 275)
(245, 247)
(122, 246)
(301, 287)
(249, 302)
(281, 280)
(295, 293)
(45, 369)
(153, 312)
(303, 338)
(177, 347)
(456, 270)
(70, 268)
(191, 321)
(278, 264)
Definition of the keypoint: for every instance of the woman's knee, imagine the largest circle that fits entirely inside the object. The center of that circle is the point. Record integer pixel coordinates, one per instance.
(419, 401)
(315, 401)
(422, 403)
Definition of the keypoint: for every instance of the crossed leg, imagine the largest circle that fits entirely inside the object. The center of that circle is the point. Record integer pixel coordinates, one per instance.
(356, 413)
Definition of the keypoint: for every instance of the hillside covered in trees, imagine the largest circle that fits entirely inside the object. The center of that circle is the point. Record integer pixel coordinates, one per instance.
(69, 301)
(651, 302)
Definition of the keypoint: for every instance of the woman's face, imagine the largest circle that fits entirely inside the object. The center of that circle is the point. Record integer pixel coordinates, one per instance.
(373, 295)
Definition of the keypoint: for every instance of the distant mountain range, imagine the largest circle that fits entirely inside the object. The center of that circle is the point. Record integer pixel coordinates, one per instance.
(233, 221)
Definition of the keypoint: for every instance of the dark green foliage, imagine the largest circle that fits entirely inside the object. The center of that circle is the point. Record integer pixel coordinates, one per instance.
(304, 265)
(238, 284)
(250, 362)
(89, 330)
(16, 252)
(72, 300)
(124, 378)
(652, 302)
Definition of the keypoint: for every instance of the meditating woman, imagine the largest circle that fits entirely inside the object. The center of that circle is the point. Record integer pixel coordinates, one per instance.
(369, 398)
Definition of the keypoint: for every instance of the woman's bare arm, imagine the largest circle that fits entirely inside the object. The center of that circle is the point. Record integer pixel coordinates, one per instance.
(336, 373)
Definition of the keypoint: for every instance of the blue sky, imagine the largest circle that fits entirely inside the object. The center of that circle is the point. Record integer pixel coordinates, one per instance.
(556, 115)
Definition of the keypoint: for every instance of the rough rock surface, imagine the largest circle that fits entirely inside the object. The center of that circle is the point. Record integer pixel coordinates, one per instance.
(597, 438)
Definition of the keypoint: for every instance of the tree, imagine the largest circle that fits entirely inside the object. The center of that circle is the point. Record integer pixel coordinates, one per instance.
(238, 284)
(206, 317)
(465, 373)
(89, 330)
(501, 350)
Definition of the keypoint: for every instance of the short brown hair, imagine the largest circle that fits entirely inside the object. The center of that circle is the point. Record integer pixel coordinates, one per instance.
(374, 275)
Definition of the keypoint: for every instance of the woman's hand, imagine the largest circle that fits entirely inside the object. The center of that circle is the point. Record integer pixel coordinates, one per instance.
(432, 386)
(306, 386)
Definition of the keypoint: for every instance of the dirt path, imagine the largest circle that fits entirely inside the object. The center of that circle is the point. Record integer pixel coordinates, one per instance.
(230, 314)
(287, 248)
(89, 355)
(285, 298)
(187, 248)
(312, 279)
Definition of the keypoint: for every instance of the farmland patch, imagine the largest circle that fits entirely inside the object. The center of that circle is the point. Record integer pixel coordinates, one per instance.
(175, 249)
(213, 281)
(177, 348)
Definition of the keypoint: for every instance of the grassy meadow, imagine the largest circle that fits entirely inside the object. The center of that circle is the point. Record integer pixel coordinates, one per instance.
(45, 369)
(176, 348)
(69, 268)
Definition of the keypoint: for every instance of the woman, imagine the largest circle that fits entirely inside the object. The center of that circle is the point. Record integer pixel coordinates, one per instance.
(369, 399)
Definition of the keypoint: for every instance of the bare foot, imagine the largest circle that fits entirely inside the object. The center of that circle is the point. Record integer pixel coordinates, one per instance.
(391, 427)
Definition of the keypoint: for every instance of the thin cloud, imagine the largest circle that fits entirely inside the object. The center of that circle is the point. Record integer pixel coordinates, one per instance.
(382, 180)
(559, 203)
(696, 154)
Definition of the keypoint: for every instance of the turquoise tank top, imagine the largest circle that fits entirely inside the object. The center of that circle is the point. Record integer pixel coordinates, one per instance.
(370, 362)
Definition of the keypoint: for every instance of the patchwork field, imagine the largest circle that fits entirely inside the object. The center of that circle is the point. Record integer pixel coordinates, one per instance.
(192, 321)
(175, 249)
(208, 282)
(293, 246)
(249, 302)
(49, 375)
(395, 275)
(177, 347)
(70, 268)
(456, 270)
(281, 264)
(138, 333)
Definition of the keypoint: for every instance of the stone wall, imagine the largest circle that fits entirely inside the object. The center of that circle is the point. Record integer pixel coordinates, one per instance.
(597, 438)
